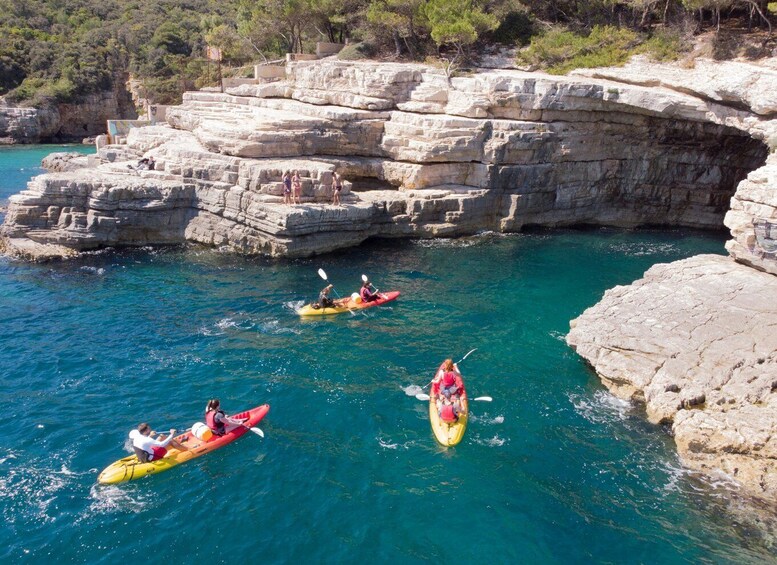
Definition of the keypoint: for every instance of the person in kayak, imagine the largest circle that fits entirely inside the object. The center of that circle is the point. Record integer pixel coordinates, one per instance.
(366, 292)
(149, 449)
(449, 411)
(218, 422)
(323, 297)
(448, 381)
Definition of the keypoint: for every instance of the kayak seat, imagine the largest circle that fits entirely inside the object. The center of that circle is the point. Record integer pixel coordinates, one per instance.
(141, 454)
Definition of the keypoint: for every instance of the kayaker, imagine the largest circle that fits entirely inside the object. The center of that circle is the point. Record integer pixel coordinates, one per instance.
(449, 412)
(366, 293)
(217, 421)
(448, 381)
(323, 297)
(149, 449)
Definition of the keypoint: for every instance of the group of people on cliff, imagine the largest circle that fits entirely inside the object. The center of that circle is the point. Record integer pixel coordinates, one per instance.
(292, 188)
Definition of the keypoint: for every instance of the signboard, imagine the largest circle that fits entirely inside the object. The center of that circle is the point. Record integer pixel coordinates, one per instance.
(213, 53)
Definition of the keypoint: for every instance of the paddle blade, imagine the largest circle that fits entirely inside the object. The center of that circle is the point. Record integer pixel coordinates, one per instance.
(322, 274)
(257, 431)
(364, 278)
(468, 354)
(422, 396)
(484, 399)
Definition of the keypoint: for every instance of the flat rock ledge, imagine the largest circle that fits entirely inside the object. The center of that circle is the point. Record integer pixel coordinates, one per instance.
(696, 342)
(422, 156)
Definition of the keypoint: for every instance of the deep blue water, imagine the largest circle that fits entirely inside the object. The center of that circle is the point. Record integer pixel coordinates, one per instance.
(554, 470)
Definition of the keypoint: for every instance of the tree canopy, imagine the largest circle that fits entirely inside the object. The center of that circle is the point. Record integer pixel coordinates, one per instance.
(65, 49)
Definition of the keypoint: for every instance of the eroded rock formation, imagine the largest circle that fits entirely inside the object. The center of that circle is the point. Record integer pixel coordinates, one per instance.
(63, 122)
(695, 340)
(424, 157)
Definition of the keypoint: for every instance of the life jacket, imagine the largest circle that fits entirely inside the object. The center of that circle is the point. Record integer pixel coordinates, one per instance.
(448, 379)
(448, 414)
(216, 427)
(365, 293)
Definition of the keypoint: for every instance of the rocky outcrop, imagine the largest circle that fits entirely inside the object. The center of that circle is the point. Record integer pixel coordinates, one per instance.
(63, 122)
(424, 156)
(65, 161)
(696, 342)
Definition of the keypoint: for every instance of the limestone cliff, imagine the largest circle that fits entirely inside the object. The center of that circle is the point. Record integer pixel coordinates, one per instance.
(60, 122)
(695, 340)
(423, 157)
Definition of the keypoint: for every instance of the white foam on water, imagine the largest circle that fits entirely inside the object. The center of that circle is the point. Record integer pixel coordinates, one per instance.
(238, 322)
(294, 304)
(558, 336)
(93, 270)
(30, 491)
(106, 499)
(643, 249)
(274, 327)
(387, 444)
(601, 408)
(495, 441)
(486, 419)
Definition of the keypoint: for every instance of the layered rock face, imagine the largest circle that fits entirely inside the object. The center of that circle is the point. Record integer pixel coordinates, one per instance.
(64, 122)
(423, 157)
(696, 340)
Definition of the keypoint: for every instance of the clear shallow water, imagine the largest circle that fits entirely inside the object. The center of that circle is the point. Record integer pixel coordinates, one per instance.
(555, 470)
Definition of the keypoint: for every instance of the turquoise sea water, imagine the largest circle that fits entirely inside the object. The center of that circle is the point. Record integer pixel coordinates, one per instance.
(554, 470)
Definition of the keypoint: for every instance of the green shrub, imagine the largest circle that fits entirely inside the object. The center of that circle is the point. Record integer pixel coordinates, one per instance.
(41, 91)
(664, 45)
(772, 8)
(561, 50)
(356, 51)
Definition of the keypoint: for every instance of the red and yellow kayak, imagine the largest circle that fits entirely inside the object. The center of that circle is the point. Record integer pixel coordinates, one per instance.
(129, 468)
(348, 304)
(445, 433)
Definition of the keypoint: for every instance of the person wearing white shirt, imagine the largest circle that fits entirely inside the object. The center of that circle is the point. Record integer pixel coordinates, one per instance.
(149, 449)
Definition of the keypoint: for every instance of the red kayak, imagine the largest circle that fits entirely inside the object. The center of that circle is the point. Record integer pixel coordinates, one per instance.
(129, 468)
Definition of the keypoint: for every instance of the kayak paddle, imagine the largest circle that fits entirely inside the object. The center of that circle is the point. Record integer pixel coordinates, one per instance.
(257, 431)
(425, 397)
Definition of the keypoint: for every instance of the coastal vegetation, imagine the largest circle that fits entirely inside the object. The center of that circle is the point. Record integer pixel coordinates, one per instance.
(61, 51)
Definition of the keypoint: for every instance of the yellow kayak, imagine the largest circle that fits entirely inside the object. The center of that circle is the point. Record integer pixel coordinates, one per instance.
(445, 433)
(347, 305)
(129, 468)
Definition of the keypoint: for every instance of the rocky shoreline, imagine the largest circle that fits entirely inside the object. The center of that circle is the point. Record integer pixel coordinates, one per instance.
(424, 156)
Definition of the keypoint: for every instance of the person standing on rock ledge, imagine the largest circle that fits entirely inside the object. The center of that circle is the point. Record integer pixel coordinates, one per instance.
(337, 184)
(296, 185)
(286, 187)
